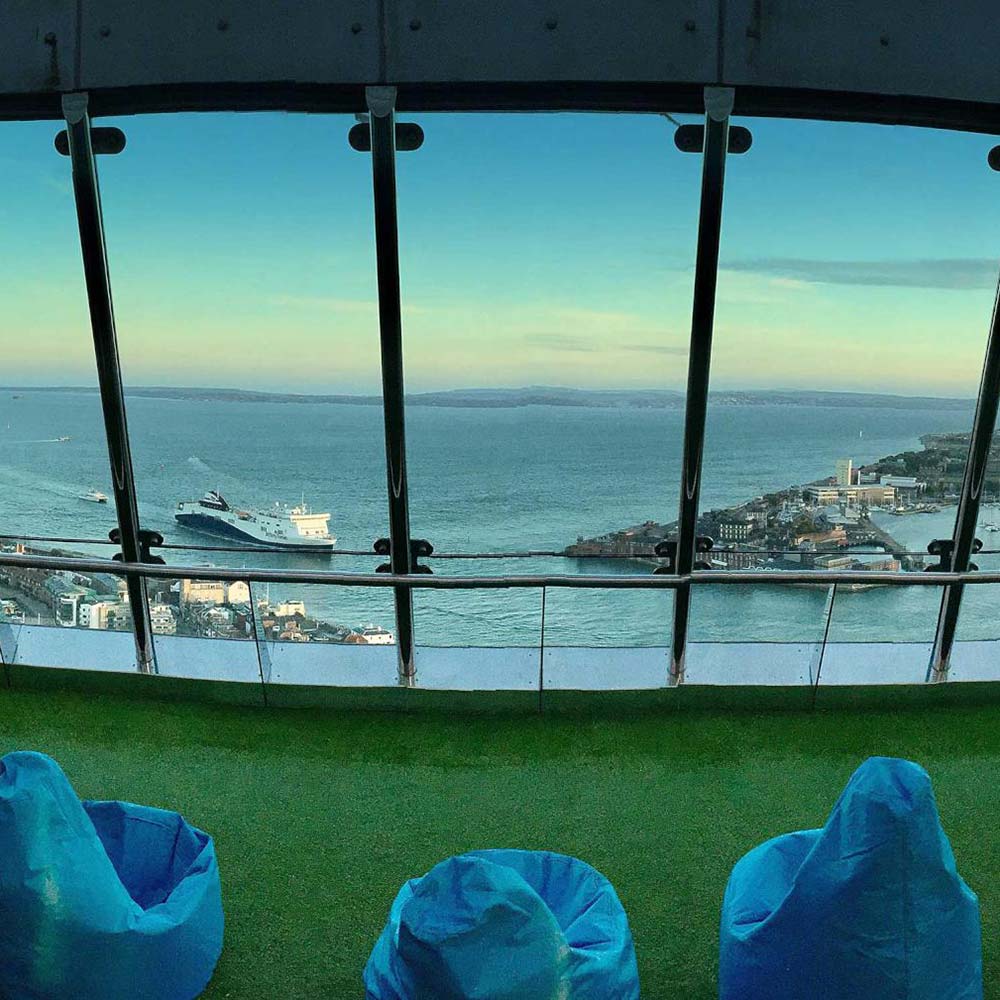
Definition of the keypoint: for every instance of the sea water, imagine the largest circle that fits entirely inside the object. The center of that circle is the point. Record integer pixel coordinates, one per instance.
(482, 480)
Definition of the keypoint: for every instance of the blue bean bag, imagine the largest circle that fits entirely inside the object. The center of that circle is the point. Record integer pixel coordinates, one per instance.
(100, 900)
(505, 925)
(871, 907)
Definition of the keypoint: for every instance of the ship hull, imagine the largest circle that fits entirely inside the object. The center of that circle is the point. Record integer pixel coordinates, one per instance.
(220, 529)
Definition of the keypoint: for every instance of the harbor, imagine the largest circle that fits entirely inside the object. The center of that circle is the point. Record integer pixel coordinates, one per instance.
(837, 522)
(613, 467)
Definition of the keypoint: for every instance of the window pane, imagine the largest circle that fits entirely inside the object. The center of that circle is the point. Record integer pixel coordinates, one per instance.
(734, 638)
(242, 256)
(54, 470)
(479, 617)
(298, 649)
(601, 618)
(976, 653)
(52, 445)
(546, 270)
(856, 284)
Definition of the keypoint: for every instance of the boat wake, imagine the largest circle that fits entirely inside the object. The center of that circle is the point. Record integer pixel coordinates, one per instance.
(60, 440)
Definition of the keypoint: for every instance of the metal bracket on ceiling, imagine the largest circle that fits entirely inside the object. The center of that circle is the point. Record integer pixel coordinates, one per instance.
(74, 106)
(381, 101)
(719, 102)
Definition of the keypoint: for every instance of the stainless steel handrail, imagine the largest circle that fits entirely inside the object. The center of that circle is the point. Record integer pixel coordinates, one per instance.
(645, 581)
(724, 549)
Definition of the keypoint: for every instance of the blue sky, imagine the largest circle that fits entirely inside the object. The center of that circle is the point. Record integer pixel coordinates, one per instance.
(535, 249)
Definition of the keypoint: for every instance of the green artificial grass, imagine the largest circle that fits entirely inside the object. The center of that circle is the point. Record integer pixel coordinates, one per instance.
(318, 817)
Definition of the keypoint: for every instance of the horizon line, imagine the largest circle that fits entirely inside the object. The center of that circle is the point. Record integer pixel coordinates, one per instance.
(487, 389)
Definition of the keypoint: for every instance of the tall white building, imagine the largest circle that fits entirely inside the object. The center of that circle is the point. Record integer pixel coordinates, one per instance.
(845, 471)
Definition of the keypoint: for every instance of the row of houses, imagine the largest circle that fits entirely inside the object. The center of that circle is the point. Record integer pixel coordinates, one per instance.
(92, 600)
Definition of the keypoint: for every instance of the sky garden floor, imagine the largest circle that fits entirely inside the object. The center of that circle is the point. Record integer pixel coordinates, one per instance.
(320, 815)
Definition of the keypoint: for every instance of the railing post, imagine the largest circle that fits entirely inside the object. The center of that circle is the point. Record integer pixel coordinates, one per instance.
(831, 600)
(260, 644)
(102, 320)
(381, 107)
(973, 483)
(718, 107)
(541, 659)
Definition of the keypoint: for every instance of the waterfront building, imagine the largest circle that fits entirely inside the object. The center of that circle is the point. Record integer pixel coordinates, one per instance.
(906, 487)
(823, 496)
(879, 495)
(835, 535)
(833, 561)
(288, 609)
(849, 561)
(848, 516)
(736, 531)
(214, 592)
(845, 472)
(375, 635)
(723, 558)
(884, 564)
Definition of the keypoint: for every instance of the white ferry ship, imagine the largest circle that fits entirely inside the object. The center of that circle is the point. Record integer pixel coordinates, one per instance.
(281, 526)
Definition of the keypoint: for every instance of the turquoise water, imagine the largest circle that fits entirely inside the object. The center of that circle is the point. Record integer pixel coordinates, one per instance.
(481, 480)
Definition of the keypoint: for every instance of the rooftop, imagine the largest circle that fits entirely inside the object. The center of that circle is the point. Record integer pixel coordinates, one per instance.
(319, 816)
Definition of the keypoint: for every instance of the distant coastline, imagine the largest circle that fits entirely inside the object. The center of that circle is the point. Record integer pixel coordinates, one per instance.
(661, 399)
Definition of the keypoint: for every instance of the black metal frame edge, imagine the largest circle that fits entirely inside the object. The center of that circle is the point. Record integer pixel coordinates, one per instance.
(967, 516)
(639, 96)
(382, 120)
(706, 275)
(87, 198)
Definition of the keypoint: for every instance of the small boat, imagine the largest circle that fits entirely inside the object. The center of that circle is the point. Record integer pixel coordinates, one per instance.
(67, 438)
(94, 496)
